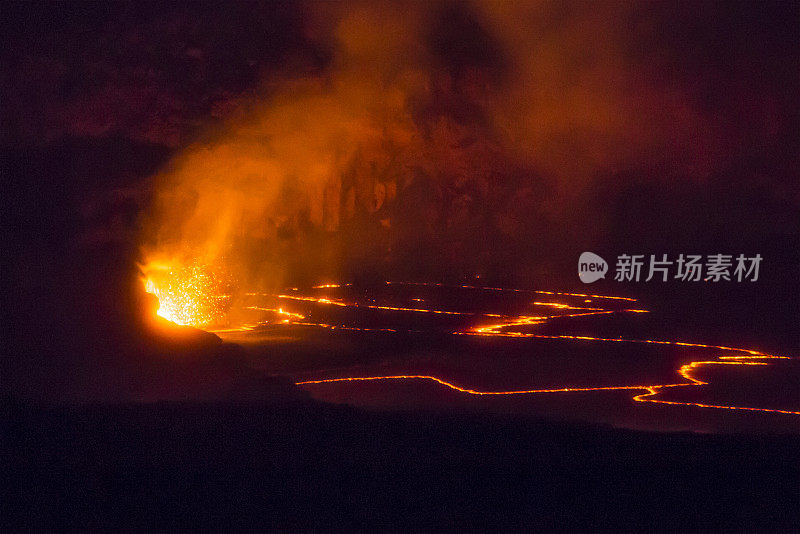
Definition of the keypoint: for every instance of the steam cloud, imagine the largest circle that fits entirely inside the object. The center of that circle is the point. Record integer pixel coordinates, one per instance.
(445, 138)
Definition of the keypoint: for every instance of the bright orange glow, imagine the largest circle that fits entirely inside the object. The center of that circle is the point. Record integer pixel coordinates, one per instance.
(644, 397)
(650, 390)
(371, 306)
(583, 295)
(459, 388)
(482, 288)
(563, 306)
(279, 311)
(193, 295)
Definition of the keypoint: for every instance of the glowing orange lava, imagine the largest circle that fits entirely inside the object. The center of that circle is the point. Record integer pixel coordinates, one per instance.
(193, 295)
(649, 391)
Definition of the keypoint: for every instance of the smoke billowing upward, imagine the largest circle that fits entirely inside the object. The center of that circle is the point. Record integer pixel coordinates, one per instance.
(452, 137)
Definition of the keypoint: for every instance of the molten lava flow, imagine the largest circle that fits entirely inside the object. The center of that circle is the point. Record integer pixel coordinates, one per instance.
(686, 372)
(745, 357)
(370, 306)
(650, 390)
(194, 295)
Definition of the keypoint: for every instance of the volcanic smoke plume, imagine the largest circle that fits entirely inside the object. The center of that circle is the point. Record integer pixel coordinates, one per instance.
(453, 139)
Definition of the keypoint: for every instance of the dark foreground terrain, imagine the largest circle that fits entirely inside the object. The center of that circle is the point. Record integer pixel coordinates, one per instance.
(306, 466)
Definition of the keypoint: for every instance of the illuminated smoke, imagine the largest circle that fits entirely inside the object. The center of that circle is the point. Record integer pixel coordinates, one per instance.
(433, 141)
